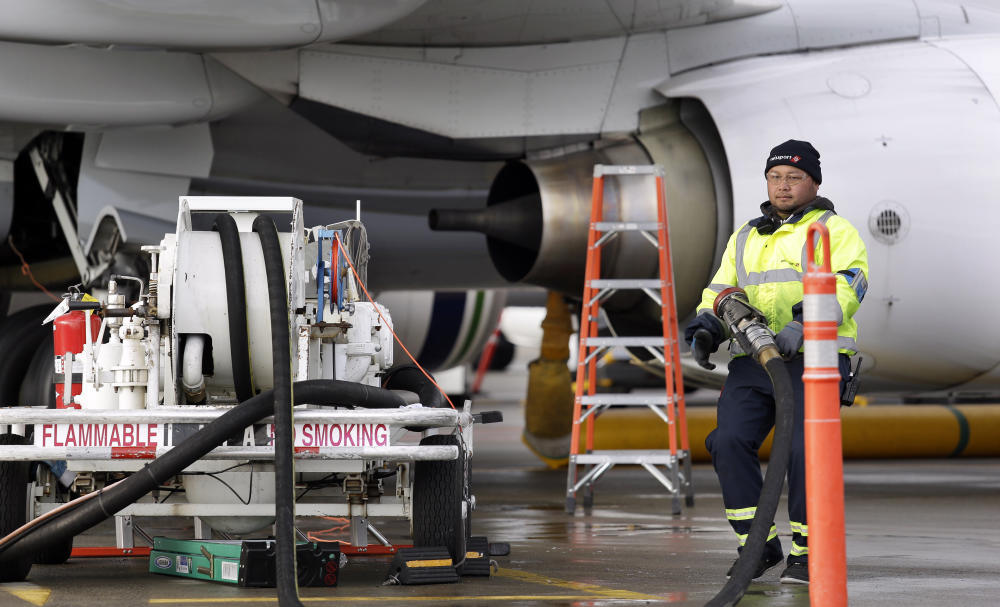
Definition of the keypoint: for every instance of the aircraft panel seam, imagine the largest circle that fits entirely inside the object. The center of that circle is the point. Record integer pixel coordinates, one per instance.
(614, 83)
(974, 72)
(795, 22)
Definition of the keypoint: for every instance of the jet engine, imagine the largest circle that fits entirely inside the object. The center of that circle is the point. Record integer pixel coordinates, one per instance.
(538, 210)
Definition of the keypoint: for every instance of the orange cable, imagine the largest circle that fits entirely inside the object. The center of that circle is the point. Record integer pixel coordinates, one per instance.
(389, 326)
(26, 269)
(321, 535)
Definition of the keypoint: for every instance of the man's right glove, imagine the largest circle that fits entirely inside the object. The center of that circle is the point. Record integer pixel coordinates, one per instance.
(705, 333)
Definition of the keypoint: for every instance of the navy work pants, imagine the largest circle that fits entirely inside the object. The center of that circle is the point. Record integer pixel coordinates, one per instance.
(745, 416)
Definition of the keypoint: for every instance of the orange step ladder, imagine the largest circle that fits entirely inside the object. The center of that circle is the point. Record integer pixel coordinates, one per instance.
(669, 405)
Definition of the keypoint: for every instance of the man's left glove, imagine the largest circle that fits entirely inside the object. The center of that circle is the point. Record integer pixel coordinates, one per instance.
(705, 333)
(789, 340)
(701, 347)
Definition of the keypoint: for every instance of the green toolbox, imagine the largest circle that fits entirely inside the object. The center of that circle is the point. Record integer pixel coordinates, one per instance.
(243, 562)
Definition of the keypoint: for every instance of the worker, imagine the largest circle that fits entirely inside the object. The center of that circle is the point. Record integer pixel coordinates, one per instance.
(767, 258)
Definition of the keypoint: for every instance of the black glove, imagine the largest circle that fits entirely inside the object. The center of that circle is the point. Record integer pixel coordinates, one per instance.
(789, 340)
(705, 333)
(797, 312)
(701, 347)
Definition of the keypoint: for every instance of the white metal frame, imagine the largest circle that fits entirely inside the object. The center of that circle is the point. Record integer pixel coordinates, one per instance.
(99, 459)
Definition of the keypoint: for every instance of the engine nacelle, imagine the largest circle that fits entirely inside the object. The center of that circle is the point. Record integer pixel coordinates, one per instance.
(904, 130)
(538, 211)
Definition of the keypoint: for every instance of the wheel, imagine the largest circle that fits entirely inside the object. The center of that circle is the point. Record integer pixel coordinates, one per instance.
(37, 385)
(21, 334)
(13, 508)
(439, 515)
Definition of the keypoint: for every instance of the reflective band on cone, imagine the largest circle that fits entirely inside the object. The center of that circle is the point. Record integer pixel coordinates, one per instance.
(823, 304)
(824, 454)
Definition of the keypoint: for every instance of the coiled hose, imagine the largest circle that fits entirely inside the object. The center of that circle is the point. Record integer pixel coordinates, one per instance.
(409, 377)
(770, 492)
(236, 304)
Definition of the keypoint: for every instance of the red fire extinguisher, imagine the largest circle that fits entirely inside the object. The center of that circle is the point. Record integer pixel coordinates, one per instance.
(69, 334)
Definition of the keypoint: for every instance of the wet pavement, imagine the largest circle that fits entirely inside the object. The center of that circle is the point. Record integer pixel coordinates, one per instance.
(919, 532)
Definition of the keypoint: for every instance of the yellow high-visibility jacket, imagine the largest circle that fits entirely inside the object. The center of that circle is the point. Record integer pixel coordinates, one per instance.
(767, 258)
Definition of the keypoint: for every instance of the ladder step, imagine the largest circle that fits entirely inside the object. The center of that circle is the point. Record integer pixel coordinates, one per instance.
(624, 341)
(625, 283)
(627, 169)
(626, 226)
(627, 399)
(635, 456)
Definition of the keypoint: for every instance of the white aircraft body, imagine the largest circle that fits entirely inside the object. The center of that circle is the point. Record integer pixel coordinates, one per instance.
(414, 104)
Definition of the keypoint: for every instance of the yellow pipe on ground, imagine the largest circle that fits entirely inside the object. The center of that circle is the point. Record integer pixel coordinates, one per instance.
(876, 431)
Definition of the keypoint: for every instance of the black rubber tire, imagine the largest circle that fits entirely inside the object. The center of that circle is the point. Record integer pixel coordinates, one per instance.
(56, 555)
(38, 387)
(20, 336)
(438, 493)
(13, 507)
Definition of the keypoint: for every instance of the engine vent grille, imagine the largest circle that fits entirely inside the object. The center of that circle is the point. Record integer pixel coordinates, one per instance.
(889, 222)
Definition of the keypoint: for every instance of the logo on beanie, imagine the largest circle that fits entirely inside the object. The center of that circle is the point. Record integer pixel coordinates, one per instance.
(796, 158)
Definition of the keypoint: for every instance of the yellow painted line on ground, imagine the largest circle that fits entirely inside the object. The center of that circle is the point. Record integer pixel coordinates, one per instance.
(430, 563)
(28, 592)
(603, 592)
(390, 599)
(593, 591)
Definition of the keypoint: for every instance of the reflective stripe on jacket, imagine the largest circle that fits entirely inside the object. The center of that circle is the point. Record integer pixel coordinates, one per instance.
(768, 261)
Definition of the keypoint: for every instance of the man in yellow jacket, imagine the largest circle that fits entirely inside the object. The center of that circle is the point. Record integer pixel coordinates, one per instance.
(767, 258)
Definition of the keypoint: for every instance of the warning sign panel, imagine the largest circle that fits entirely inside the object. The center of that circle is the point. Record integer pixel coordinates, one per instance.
(99, 435)
(338, 435)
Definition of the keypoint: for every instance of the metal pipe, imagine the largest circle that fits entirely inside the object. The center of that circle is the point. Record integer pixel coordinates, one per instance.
(191, 374)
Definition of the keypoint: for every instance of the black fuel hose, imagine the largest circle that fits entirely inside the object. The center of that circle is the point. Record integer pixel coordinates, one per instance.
(770, 492)
(236, 304)
(409, 377)
(110, 500)
(285, 575)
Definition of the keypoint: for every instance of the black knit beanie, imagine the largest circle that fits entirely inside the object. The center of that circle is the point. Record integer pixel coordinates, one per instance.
(799, 154)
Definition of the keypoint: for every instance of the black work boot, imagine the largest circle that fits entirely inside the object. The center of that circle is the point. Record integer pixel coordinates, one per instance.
(797, 571)
(772, 556)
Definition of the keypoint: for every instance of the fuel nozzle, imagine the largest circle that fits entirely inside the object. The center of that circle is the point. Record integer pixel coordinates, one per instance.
(746, 323)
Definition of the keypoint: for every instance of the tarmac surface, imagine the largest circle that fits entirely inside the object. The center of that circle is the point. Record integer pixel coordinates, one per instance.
(919, 532)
